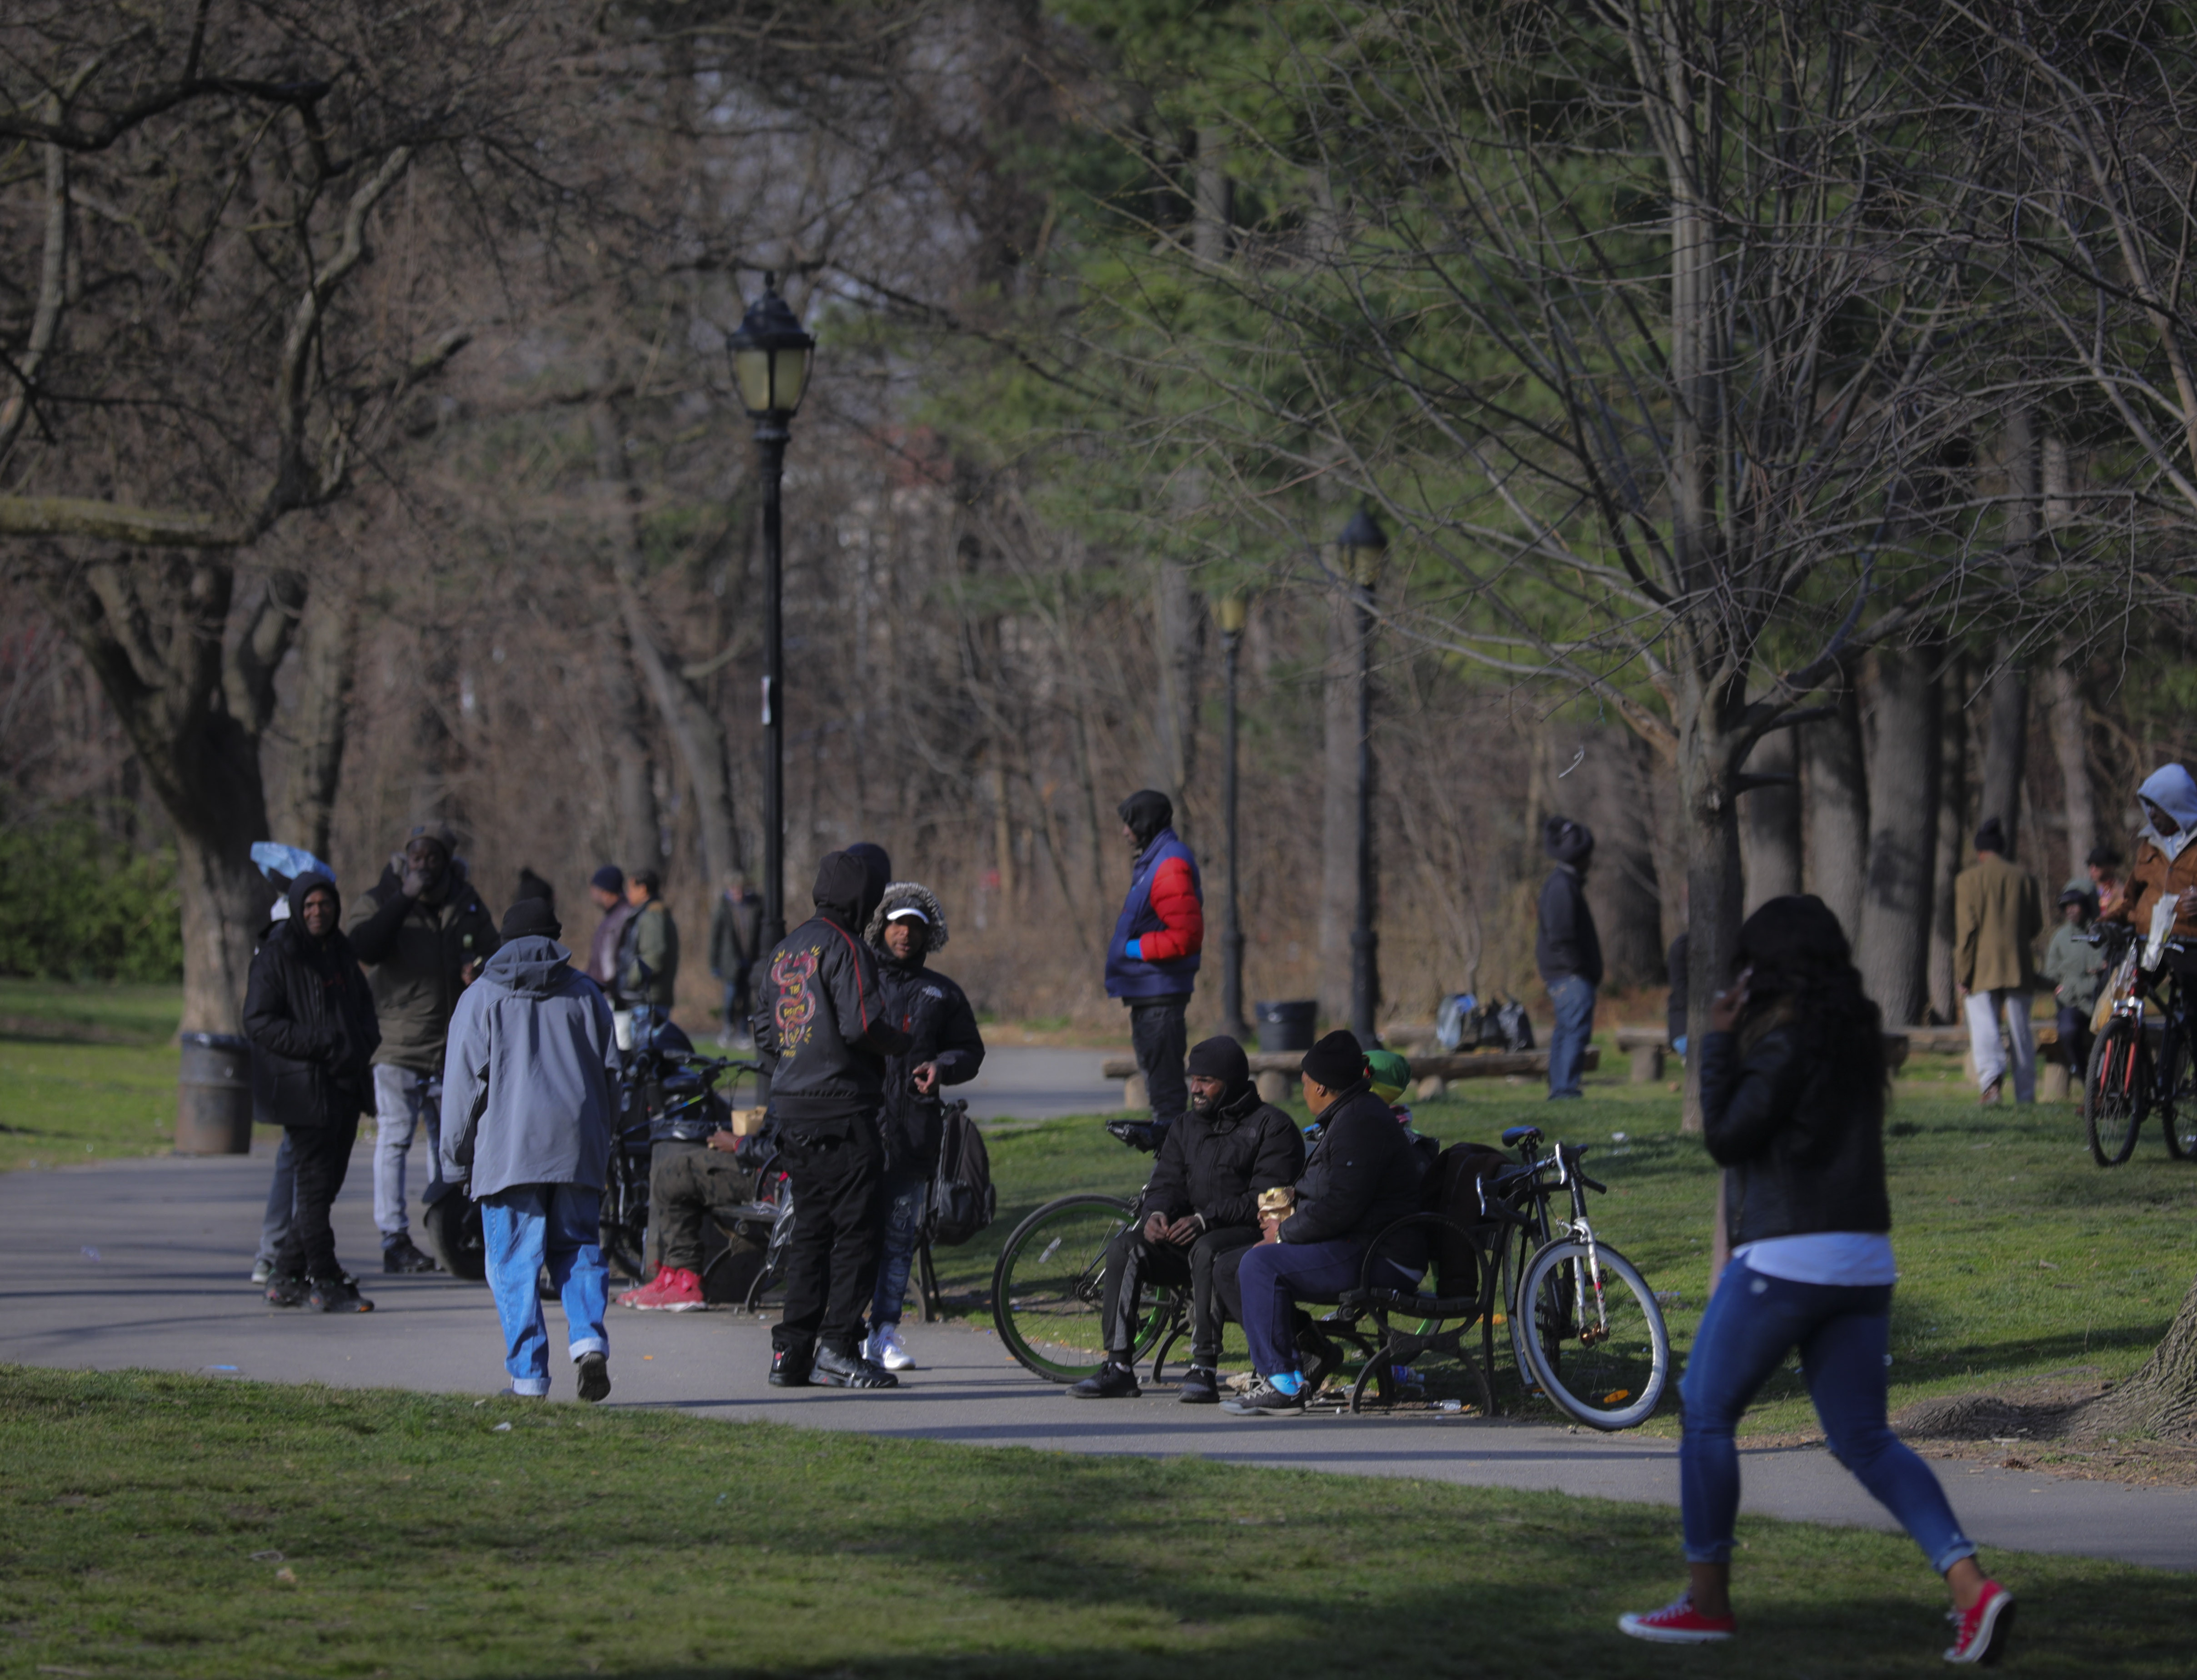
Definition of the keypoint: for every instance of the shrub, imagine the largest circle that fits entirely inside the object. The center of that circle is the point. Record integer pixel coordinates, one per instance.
(76, 904)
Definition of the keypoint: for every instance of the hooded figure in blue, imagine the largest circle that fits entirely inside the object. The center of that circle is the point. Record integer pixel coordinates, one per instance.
(530, 1097)
(1151, 961)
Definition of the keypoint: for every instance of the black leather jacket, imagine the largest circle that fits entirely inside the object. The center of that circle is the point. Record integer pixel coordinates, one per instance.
(1797, 1157)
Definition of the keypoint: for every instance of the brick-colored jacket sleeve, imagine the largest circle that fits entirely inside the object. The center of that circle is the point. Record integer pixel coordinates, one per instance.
(1174, 901)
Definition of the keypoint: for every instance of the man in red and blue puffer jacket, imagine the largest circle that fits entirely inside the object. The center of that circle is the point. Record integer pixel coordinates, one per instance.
(1151, 962)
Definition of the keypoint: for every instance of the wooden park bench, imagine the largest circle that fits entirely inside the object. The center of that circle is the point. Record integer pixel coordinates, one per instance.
(1276, 1071)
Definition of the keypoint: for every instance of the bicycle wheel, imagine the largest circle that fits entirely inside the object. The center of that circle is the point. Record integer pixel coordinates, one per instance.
(622, 1228)
(1617, 1354)
(1542, 1321)
(1048, 1288)
(2116, 1092)
(2178, 1085)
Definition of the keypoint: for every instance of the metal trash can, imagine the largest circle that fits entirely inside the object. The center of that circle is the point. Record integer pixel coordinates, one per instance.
(1286, 1026)
(213, 1096)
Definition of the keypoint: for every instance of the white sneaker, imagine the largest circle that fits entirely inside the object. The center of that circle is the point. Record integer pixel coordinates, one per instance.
(883, 1348)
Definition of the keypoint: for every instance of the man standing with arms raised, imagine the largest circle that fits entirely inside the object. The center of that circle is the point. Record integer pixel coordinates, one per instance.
(823, 1035)
(1151, 962)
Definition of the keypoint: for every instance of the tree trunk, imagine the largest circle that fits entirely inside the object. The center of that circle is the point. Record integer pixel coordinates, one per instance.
(1615, 784)
(327, 638)
(2161, 1397)
(1338, 873)
(1770, 832)
(1835, 802)
(1175, 618)
(1715, 881)
(2063, 695)
(640, 834)
(2006, 744)
(1950, 852)
(1894, 930)
(1214, 207)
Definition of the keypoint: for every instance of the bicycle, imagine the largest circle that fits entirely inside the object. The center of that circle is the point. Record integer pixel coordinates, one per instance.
(2125, 1078)
(666, 1089)
(1602, 1355)
(1048, 1288)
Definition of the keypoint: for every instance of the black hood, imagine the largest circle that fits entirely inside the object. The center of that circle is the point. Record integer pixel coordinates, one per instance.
(1567, 842)
(1146, 812)
(308, 883)
(847, 890)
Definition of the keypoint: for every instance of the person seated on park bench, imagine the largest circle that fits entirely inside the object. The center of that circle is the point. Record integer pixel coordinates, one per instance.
(1363, 1175)
(1201, 1216)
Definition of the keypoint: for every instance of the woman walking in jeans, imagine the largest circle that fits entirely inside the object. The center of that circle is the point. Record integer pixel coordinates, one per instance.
(1793, 1080)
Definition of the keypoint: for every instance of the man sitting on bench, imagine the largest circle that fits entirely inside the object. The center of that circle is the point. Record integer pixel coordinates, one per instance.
(1201, 1215)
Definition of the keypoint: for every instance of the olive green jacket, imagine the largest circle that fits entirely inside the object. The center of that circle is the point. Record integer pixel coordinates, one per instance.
(648, 957)
(414, 958)
(1998, 916)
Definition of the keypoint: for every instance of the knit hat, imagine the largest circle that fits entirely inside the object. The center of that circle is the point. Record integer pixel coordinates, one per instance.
(1391, 1074)
(1567, 842)
(1147, 811)
(1338, 1061)
(1991, 837)
(1221, 1059)
(2079, 891)
(530, 918)
(441, 833)
(610, 879)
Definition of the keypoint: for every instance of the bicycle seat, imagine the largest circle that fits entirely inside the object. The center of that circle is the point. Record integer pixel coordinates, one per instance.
(1514, 1135)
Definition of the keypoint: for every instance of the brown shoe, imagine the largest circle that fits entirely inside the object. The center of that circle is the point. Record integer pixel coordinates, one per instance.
(1988, 1097)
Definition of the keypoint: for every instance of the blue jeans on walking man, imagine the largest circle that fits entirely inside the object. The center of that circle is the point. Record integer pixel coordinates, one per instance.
(528, 1226)
(1574, 1001)
(1842, 1333)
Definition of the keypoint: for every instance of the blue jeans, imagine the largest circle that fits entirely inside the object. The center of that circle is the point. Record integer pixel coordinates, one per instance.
(525, 1226)
(281, 1197)
(904, 1200)
(1574, 1001)
(1272, 1278)
(404, 1100)
(1842, 1333)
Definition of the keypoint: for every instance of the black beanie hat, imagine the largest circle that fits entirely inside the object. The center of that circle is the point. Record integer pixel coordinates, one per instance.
(1221, 1059)
(1147, 811)
(1567, 842)
(1991, 837)
(1338, 1061)
(529, 917)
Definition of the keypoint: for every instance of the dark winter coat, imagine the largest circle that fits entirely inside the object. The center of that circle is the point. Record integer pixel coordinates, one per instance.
(1798, 1158)
(1364, 1174)
(1565, 942)
(735, 928)
(311, 1019)
(823, 1029)
(648, 957)
(1216, 1165)
(942, 1027)
(414, 952)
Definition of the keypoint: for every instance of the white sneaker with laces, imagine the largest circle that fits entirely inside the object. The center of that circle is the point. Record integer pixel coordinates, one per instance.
(883, 1348)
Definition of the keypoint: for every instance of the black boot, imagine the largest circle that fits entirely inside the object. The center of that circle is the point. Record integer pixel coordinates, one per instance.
(789, 1368)
(1200, 1386)
(288, 1291)
(837, 1369)
(1116, 1380)
(402, 1256)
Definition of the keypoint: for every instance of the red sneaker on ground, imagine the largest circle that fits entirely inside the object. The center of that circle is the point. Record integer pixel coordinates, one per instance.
(673, 1289)
(1981, 1630)
(1678, 1623)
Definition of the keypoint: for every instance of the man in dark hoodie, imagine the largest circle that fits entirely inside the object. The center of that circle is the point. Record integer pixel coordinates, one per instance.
(945, 1048)
(1151, 961)
(310, 1020)
(1363, 1175)
(530, 1097)
(1568, 951)
(1201, 1215)
(423, 933)
(824, 1033)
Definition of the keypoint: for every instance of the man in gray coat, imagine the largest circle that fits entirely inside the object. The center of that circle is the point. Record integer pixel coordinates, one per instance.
(529, 1093)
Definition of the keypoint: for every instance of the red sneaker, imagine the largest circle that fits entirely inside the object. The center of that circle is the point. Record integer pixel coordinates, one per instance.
(1981, 1630)
(1678, 1623)
(673, 1289)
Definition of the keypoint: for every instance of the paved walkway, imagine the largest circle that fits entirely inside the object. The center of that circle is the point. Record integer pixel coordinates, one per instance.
(1038, 1082)
(143, 1263)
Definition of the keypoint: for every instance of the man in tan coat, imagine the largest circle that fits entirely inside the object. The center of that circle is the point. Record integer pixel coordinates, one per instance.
(1998, 916)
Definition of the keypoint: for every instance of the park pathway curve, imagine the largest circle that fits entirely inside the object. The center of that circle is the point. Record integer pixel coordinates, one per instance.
(143, 1264)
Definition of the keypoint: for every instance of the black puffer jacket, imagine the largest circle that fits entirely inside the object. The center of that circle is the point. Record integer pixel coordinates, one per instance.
(1216, 1165)
(1565, 942)
(942, 1027)
(1363, 1177)
(311, 1019)
(1796, 1159)
(822, 1029)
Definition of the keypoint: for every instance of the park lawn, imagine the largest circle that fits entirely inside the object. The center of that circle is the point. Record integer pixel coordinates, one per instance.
(175, 1526)
(2021, 1261)
(87, 1073)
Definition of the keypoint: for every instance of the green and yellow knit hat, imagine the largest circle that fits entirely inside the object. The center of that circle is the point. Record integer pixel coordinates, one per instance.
(1391, 1074)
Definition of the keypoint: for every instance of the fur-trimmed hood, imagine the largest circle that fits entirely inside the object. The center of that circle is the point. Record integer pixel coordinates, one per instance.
(899, 894)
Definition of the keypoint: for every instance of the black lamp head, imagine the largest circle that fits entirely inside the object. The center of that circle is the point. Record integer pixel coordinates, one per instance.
(771, 355)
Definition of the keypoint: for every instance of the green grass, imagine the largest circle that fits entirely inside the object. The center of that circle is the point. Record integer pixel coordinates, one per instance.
(2020, 1260)
(148, 1522)
(86, 1072)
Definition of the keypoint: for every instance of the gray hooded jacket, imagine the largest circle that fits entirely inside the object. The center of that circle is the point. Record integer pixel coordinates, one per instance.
(530, 1080)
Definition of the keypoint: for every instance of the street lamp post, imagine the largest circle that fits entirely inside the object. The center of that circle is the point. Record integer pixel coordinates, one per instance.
(1361, 542)
(771, 356)
(1228, 615)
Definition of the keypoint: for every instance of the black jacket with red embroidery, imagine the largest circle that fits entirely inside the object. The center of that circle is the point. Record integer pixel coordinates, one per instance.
(823, 1029)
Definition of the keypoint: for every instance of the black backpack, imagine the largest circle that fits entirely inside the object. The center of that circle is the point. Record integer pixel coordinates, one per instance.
(962, 1199)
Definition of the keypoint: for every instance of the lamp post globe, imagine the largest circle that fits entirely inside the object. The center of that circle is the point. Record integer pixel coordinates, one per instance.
(1360, 544)
(771, 355)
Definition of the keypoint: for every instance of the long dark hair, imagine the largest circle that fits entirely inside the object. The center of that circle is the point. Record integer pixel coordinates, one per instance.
(1803, 973)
